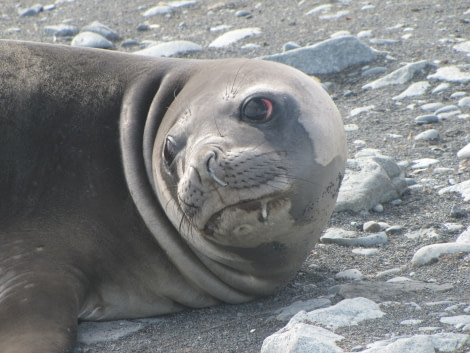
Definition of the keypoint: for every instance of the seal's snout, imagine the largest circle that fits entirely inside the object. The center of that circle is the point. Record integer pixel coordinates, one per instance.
(210, 161)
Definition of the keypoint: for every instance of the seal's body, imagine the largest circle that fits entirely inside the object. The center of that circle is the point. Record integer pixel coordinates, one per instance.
(133, 186)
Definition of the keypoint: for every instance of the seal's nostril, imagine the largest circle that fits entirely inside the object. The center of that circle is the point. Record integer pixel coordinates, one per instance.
(211, 171)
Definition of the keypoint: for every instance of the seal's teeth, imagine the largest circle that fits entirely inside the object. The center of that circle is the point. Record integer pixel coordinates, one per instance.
(264, 211)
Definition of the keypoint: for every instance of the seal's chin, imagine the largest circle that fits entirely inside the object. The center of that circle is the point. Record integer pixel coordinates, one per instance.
(248, 222)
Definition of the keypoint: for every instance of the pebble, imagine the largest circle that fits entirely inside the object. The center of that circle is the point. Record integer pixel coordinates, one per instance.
(360, 110)
(243, 13)
(463, 47)
(102, 30)
(366, 241)
(372, 227)
(447, 109)
(335, 16)
(411, 322)
(365, 252)
(170, 48)
(353, 274)
(399, 76)
(229, 38)
(461, 322)
(441, 88)
(289, 46)
(427, 135)
(431, 107)
(370, 179)
(464, 102)
(422, 234)
(32, 11)
(389, 272)
(393, 230)
(286, 313)
(441, 342)
(90, 39)
(181, 3)
(220, 28)
(464, 153)
(461, 188)
(95, 332)
(61, 30)
(365, 34)
(158, 10)
(383, 41)
(415, 89)
(450, 74)
(430, 253)
(426, 119)
(319, 9)
(373, 71)
(330, 56)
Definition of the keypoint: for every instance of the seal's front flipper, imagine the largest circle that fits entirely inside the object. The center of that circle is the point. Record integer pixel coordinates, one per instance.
(36, 316)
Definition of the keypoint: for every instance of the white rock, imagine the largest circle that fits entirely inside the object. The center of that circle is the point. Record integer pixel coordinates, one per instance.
(464, 102)
(431, 253)
(158, 10)
(464, 47)
(319, 9)
(442, 342)
(365, 252)
(464, 153)
(286, 313)
(459, 321)
(423, 163)
(399, 76)
(346, 313)
(450, 74)
(411, 322)
(302, 338)
(431, 107)
(461, 188)
(416, 89)
(360, 110)
(90, 39)
(464, 237)
(351, 273)
(441, 88)
(229, 38)
(170, 48)
(94, 332)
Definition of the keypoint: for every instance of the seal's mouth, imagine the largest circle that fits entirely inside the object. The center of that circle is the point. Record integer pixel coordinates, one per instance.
(245, 215)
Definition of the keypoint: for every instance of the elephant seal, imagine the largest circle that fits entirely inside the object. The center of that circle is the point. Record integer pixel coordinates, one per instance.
(133, 186)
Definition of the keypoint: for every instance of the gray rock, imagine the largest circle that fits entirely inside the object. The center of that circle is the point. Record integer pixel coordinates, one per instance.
(370, 180)
(94, 332)
(424, 163)
(32, 11)
(285, 314)
(426, 119)
(430, 253)
(447, 109)
(441, 88)
(431, 107)
(383, 41)
(450, 74)
(367, 241)
(170, 48)
(373, 71)
(415, 89)
(327, 57)
(181, 3)
(464, 102)
(463, 47)
(352, 273)
(102, 30)
(158, 10)
(400, 76)
(439, 342)
(383, 291)
(464, 153)
(229, 38)
(460, 322)
(348, 312)
(298, 337)
(61, 30)
(93, 40)
(290, 46)
(372, 227)
(427, 135)
(461, 188)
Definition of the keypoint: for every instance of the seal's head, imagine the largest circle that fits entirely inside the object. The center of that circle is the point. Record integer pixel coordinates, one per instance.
(249, 161)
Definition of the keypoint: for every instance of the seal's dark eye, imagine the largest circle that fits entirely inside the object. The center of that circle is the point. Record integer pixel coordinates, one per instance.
(169, 151)
(257, 110)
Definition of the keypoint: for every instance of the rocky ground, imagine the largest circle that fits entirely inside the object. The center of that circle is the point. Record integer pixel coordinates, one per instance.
(412, 300)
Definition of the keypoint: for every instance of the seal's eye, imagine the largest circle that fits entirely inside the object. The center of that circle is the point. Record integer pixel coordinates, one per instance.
(169, 151)
(257, 110)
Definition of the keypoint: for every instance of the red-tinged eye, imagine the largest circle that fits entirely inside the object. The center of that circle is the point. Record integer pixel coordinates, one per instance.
(257, 110)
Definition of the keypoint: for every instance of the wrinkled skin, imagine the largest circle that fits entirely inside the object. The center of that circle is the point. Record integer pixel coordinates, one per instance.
(134, 186)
